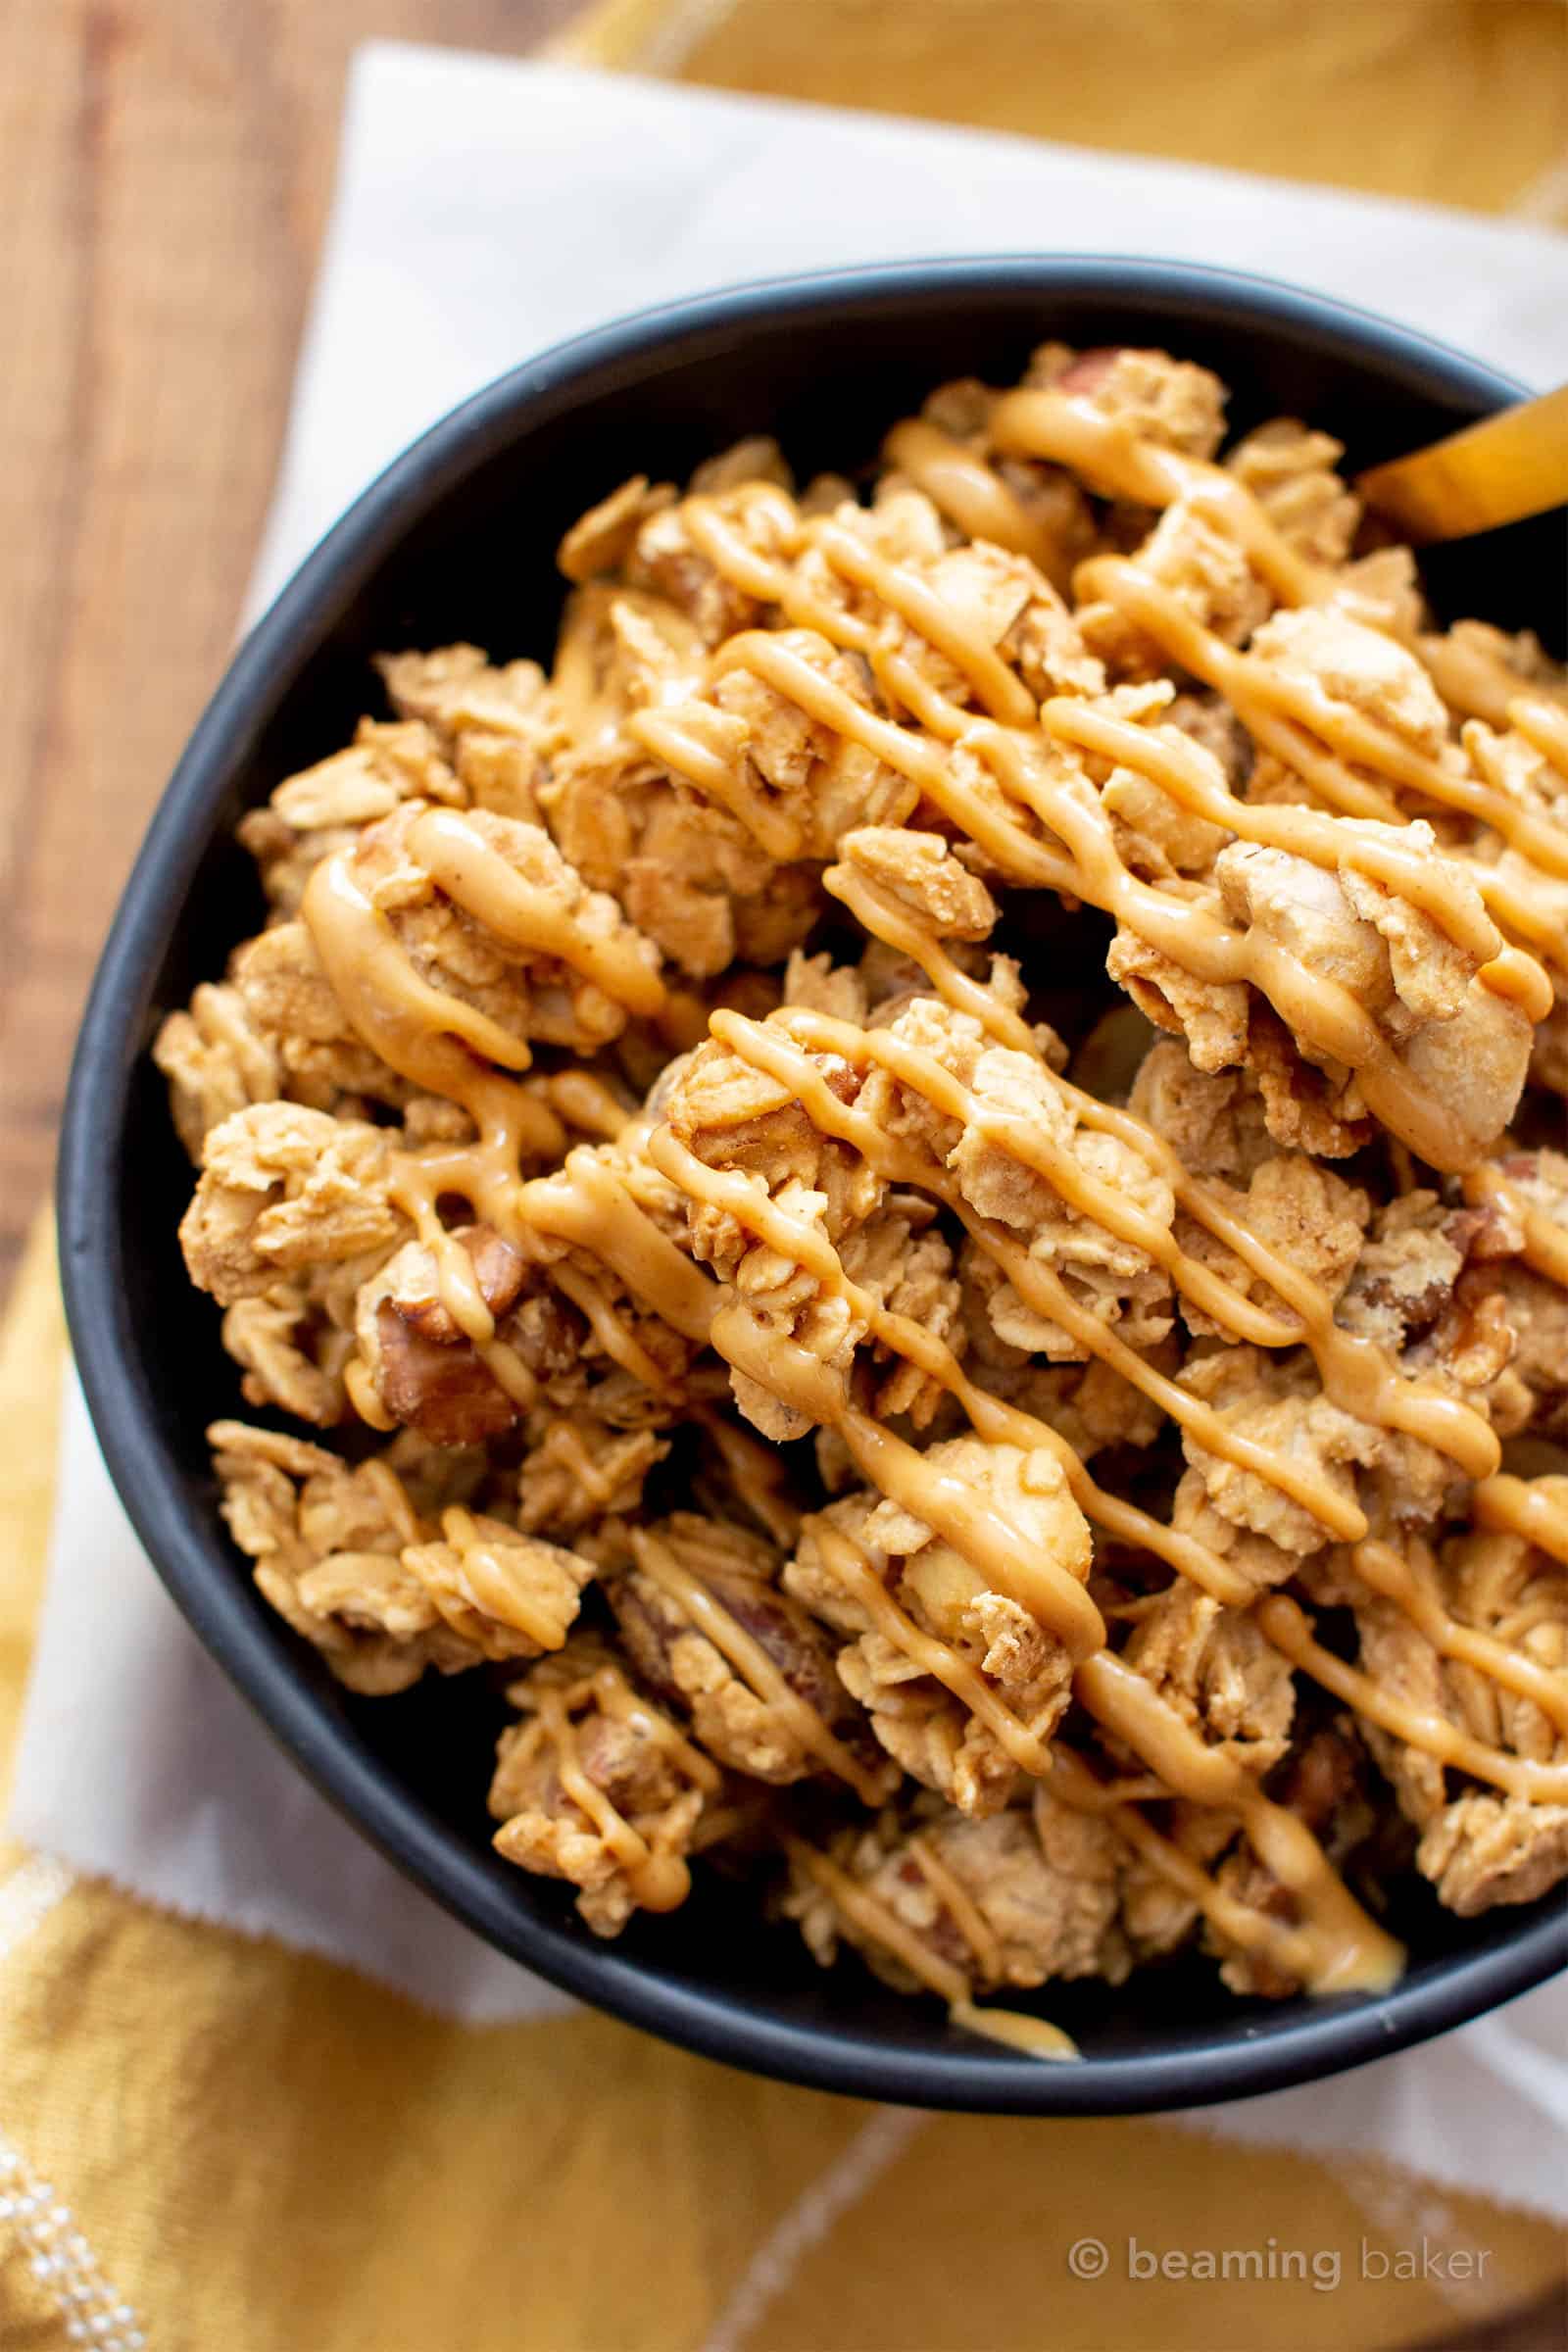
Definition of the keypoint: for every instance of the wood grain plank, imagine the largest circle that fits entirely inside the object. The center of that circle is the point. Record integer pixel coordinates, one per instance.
(165, 169)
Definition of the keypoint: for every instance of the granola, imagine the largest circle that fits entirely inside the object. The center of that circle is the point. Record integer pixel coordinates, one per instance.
(915, 1198)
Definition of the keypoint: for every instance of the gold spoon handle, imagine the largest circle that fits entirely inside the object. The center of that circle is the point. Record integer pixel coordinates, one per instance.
(1508, 467)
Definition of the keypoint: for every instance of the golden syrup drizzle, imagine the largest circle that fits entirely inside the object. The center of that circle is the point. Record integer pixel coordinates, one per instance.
(1289, 1630)
(751, 1661)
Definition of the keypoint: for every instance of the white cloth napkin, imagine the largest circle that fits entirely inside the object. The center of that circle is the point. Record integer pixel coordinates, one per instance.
(484, 210)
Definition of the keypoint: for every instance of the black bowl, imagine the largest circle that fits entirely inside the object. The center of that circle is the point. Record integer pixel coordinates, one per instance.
(454, 540)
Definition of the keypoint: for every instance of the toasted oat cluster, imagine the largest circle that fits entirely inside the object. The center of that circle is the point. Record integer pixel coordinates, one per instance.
(917, 1203)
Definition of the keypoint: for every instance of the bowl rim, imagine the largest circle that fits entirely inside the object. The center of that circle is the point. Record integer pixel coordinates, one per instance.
(215, 1601)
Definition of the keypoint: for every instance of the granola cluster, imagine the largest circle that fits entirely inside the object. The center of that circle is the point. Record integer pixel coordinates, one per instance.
(919, 1200)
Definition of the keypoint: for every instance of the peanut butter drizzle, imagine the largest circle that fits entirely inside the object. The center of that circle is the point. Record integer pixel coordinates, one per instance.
(1036, 2037)
(992, 1419)
(974, 495)
(361, 1394)
(1289, 1630)
(810, 1249)
(414, 1188)
(986, 1539)
(1255, 687)
(1544, 724)
(997, 1550)
(1034, 1282)
(757, 1473)
(1068, 429)
(1477, 684)
(434, 1029)
(1321, 1011)
(751, 1661)
(850, 1567)
(659, 1879)
(423, 1033)
(1260, 694)
(1536, 1508)
(477, 878)
(959, 1905)
(1357, 1374)
(1545, 1249)
(586, 1203)
(902, 592)
(998, 689)
(585, 1101)
(1186, 775)
(618, 1342)
(879, 1924)
(1412, 1584)
(874, 1919)
(1346, 1950)
(1291, 1950)
(490, 1586)
(562, 1444)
